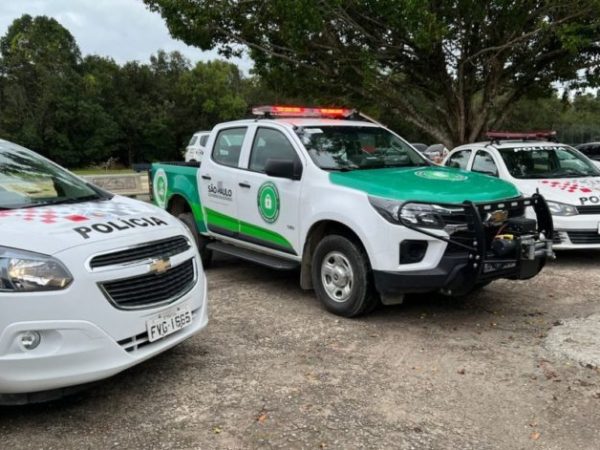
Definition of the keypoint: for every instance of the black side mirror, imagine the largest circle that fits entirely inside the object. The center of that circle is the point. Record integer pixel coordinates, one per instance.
(284, 168)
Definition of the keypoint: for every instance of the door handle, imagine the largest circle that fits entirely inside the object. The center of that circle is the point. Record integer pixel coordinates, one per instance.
(206, 177)
(244, 185)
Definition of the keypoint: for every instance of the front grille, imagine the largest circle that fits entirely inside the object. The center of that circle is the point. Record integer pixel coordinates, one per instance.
(155, 249)
(584, 236)
(151, 289)
(591, 209)
(466, 234)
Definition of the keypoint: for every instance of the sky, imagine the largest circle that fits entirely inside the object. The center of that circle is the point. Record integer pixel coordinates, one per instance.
(122, 29)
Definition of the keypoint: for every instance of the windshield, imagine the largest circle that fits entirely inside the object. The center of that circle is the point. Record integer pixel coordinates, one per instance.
(547, 162)
(356, 147)
(28, 180)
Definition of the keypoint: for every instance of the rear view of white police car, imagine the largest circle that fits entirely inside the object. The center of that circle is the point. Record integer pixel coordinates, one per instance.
(568, 180)
(90, 283)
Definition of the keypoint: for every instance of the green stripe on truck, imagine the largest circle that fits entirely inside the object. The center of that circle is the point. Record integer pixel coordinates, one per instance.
(226, 222)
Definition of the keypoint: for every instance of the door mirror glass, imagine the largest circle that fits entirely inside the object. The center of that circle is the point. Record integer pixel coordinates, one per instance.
(283, 168)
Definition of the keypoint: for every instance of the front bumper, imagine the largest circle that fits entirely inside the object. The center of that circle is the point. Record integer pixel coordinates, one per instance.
(75, 352)
(455, 275)
(475, 264)
(577, 232)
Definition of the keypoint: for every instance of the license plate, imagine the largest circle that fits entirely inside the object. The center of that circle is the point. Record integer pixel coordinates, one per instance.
(168, 322)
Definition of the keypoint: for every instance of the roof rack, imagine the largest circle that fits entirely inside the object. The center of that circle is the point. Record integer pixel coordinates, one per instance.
(542, 135)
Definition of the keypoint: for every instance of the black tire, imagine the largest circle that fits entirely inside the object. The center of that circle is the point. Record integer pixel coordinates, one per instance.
(201, 241)
(354, 298)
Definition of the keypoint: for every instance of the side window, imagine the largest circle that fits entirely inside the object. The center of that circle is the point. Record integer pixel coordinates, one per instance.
(193, 140)
(228, 146)
(270, 144)
(459, 160)
(484, 163)
(203, 140)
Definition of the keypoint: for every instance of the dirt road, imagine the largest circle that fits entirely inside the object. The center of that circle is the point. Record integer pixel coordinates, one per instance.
(273, 370)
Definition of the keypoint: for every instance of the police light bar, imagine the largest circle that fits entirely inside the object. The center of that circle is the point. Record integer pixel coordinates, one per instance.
(509, 135)
(300, 111)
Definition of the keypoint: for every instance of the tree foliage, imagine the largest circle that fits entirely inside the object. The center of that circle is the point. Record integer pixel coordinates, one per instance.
(451, 68)
(81, 111)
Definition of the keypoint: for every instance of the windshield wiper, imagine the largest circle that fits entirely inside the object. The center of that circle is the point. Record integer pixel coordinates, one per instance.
(339, 169)
(574, 172)
(67, 201)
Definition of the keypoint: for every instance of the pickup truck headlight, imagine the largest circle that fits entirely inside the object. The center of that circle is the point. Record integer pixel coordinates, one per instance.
(562, 209)
(417, 214)
(22, 271)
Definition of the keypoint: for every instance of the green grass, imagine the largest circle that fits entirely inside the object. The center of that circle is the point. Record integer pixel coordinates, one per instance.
(102, 171)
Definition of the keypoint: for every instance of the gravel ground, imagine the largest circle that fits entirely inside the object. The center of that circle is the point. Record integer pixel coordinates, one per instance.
(273, 370)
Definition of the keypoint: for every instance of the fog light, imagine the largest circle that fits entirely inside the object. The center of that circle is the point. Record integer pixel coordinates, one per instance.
(29, 340)
(412, 251)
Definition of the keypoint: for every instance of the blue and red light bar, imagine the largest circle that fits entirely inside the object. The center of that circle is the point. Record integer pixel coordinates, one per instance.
(510, 135)
(301, 111)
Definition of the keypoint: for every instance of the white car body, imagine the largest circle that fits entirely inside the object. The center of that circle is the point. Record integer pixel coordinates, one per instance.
(195, 148)
(85, 333)
(578, 231)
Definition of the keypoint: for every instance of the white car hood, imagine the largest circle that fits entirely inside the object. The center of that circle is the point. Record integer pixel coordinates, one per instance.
(50, 229)
(572, 191)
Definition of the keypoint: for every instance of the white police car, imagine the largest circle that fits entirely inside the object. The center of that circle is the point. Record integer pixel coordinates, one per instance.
(90, 283)
(568, 180)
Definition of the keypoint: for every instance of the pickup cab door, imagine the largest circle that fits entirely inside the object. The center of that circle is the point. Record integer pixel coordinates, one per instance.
(218, 181)
(269, 207)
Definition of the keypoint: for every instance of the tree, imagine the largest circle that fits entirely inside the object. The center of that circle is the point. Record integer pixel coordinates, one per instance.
(452, 68)
(210, 93)
(38, 66)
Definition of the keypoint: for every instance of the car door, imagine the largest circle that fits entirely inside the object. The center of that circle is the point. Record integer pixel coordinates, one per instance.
(269, 206)
(218, 182)
(483, 162)
(459, 159)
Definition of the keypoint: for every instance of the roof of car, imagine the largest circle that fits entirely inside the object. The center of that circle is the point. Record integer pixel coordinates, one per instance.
(306, 122)
(509, 144)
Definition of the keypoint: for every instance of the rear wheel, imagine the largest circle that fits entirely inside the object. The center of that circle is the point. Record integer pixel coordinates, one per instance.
(201, 241)
(342, 277)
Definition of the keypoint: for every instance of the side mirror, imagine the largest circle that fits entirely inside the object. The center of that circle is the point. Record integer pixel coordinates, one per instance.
(284, 168)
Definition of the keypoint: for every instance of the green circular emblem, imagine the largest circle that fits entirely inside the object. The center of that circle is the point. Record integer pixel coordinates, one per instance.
(440, 175)
(268, 202)
(160, 187)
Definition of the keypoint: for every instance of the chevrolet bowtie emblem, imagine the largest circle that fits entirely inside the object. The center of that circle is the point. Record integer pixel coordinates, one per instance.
(160, 266)
(497, 217)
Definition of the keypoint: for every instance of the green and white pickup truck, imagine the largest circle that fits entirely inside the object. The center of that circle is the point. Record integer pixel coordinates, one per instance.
(361, 213)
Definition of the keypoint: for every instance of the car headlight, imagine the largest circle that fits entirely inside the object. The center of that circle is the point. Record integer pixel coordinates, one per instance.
(22, 271)
(562, 209)
(417, 214)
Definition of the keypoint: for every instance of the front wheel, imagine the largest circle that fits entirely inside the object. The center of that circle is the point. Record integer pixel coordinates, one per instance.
(342, 278)
(200, 241)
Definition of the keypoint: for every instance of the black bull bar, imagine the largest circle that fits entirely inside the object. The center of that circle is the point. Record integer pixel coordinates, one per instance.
(481, 263)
